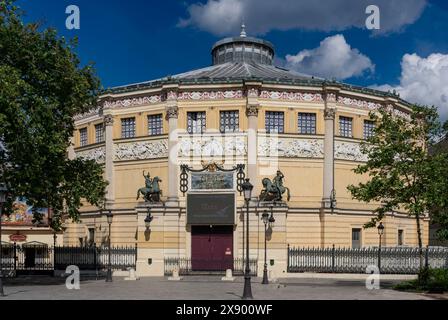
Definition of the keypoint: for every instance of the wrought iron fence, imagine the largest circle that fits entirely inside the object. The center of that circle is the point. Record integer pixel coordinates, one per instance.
(393, 260)
(186, 266)
(19, 259)
(95, 258)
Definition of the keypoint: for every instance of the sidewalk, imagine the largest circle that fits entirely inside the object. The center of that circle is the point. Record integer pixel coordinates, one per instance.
(208, 288)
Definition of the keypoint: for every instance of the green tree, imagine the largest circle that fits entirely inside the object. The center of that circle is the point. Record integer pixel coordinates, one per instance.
(42, 87)
(403, 175)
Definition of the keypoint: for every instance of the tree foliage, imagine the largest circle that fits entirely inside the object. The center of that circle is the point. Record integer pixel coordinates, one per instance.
(403, 175)
(42, 87)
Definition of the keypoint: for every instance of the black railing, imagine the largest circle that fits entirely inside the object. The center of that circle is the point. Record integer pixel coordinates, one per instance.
(95, 258)
(394, 260)
(20, 259)
(187, 266)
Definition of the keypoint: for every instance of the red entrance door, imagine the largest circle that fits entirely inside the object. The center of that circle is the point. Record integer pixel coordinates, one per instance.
(211, 248)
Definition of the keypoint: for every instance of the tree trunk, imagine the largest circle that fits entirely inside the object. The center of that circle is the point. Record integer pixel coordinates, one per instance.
(419, 236)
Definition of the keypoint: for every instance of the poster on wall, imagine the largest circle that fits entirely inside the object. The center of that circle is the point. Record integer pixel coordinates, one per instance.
(22, 215)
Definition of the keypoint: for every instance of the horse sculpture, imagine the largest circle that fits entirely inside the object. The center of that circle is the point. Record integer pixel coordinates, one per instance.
(151, 192)
(274, 190)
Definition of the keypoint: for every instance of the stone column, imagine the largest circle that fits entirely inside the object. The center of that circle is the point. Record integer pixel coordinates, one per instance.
(172, 113)
(71, 149)
(252, 147)
(109, 163)
(328, 182)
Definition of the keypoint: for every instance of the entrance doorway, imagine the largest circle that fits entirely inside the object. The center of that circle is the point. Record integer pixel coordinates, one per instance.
(211, 248)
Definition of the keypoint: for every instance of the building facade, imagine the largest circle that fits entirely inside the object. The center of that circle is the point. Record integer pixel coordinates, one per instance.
(240, 110)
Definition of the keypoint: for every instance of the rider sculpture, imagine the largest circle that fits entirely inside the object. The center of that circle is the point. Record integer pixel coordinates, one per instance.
(151, 192)
(274, 190)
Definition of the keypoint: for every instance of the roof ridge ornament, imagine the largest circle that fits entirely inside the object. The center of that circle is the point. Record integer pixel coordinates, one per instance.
(243, 33)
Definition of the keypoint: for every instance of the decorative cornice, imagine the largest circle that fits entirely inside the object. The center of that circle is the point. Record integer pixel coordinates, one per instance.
(133, 102)
(292, 96)
(359, 103)
(211, 95)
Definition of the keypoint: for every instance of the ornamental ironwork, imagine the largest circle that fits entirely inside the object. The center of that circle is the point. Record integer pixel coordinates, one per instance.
(211, 167)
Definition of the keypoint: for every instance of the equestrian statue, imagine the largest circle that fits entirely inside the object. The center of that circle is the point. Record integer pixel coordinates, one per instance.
(274, 190)
(151, 192)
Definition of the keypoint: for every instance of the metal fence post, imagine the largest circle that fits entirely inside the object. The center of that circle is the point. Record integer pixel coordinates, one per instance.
(333, 252)
(427, 257)
(15, 259)
(95, 260)
(287, 268)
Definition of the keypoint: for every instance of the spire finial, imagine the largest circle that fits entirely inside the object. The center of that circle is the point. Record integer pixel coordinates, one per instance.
(243, 30)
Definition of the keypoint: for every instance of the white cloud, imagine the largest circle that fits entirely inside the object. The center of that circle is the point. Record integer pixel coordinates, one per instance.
(223, 17)
(423, 81)
(334, 58)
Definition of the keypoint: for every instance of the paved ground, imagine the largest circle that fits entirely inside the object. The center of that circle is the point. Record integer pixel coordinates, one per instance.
(201, 288)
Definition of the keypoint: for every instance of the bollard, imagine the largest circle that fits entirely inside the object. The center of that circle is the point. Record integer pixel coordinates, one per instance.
(132, 276)
(175, 276)
(229, 276)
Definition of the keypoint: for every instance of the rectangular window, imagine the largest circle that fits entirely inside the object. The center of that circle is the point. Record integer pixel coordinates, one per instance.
(196, 122)
(274, 122)
(307, 123)
(91, 236)
(345, 127)
(155, 125)
(83, 137)
(229, 121)
(99, 133)
(369, 127)
(356, 238)
(128, 128)
(400, 237)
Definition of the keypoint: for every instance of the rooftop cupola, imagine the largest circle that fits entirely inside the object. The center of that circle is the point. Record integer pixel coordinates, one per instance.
(243, 49)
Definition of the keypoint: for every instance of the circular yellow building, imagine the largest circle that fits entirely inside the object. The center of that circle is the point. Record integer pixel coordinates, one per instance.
(197, 135)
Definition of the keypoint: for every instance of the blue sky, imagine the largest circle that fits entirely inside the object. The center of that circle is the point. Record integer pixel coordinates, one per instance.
(138, 40)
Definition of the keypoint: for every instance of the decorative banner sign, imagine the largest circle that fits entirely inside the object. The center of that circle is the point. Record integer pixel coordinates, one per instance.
(212, 181)
(17, 238)
(210, 209)
(22, 215)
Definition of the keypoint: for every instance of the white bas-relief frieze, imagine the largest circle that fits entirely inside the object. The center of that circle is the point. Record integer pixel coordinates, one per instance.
(141, 150)
(212, 145)
(349, 151)
(133, 102)
(290, 147)
(291, 96)
(97, 154)
(90, 113)
(210, 95)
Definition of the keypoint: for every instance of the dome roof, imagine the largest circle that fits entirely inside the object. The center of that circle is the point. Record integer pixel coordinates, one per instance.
(237, 59)
(243, 49)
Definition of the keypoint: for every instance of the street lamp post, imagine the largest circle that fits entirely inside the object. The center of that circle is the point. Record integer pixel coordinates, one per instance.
(266, 220)
(247, 190)
(380, 233)
(109, 216)
(2, 201)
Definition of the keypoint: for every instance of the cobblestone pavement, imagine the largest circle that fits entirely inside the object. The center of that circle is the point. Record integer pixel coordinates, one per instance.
(200, 288)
